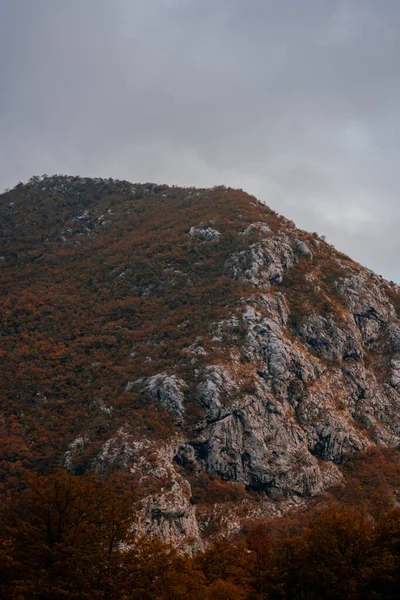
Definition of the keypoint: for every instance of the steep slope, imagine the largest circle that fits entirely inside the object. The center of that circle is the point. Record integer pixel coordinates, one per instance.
(192, 344)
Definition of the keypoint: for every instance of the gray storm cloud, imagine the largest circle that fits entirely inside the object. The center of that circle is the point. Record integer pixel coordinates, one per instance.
(295, 102)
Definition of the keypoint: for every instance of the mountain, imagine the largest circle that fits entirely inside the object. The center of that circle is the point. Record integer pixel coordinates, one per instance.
(193, 345)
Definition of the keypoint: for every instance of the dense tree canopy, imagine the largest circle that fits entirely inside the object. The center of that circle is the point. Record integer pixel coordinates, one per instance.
(64, 536)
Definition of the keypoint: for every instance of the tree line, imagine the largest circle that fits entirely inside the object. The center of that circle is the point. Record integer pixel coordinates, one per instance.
(70, 537)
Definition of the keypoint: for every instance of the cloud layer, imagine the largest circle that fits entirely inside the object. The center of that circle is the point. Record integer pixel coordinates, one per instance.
(296, 102)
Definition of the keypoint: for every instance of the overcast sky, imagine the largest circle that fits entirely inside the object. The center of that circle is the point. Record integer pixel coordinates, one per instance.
(296, 101)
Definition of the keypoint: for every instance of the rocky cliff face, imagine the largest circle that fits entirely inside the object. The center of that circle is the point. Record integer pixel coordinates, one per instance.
(217, 345)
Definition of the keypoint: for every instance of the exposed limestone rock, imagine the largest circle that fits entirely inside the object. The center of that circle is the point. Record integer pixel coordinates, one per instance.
(301, 410)
(261, 449)
(282, 362)
(395, 378)
(225, 329)
(263, 263)
(196, 349)
(259, 226)
(249, 265)
(329, 341)
(119, 452)
(205, 233)
(330, 435)
(394, 337)
(215, 382)
(130, 385)
(302, 248)
(75, 449)
(171, 516)
(166, 512)
(166, 389)
(273, 307)
(368, 303)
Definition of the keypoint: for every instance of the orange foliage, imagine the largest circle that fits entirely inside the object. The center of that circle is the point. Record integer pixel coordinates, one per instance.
(70, 537)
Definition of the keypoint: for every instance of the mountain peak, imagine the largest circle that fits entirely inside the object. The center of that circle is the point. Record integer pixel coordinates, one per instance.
(193, 341)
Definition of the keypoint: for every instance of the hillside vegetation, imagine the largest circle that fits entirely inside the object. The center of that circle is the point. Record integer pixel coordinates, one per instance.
(196, 352)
